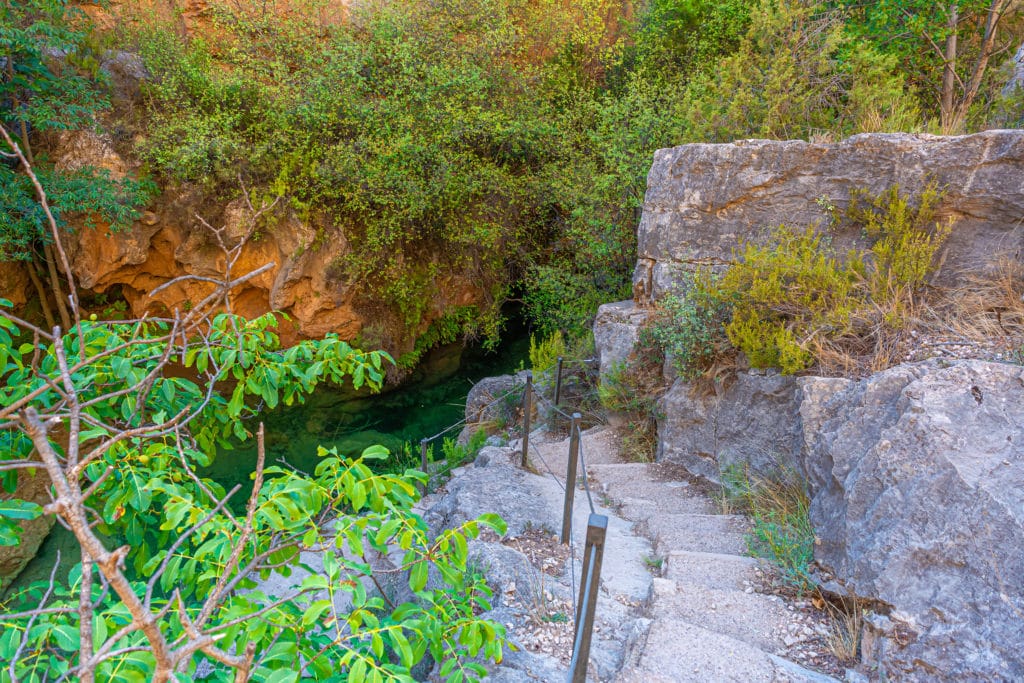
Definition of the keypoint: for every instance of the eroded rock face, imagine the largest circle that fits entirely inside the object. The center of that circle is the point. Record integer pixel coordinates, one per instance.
(754, 421)
(35, 488)
(704, 199)
(917, 476)
(14, 283)
(168, 242)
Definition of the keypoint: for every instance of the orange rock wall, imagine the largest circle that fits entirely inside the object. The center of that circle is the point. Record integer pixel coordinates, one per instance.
(169, 241)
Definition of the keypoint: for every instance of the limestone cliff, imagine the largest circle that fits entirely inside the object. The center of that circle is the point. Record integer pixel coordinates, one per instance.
(914, 473)
(703, 200)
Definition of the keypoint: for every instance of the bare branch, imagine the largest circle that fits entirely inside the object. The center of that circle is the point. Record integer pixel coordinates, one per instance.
(247, 530)
(33, 617)
(41, 193)
(68, 506)
(85, 614)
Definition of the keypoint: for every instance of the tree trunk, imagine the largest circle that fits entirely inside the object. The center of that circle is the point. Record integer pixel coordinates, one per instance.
(40, 292)
(16, 105)
(949, 74)
(62, 306)
(995, 13)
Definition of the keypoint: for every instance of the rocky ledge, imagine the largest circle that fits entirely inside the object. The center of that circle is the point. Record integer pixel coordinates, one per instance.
(916, 479)
(703, 199)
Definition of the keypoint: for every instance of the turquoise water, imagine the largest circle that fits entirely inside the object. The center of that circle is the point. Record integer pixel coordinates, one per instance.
(428, 402)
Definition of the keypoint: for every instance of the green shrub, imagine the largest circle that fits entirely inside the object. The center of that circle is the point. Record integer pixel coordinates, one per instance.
(906, 237)
(794, 302)
(633, 388)
(687, 325)
(780, 511)
(785, 293)
(456, 454)
(544, 354)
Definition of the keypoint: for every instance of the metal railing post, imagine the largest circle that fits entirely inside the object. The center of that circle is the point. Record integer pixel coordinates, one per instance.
(570, 476)
(527, 409)
(558, 382)
(423, 465)
(597, 527)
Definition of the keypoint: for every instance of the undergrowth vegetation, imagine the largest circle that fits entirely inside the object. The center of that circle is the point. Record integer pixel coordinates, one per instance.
(632, 388)
(793, 302)
(505, 144)
(779, 508)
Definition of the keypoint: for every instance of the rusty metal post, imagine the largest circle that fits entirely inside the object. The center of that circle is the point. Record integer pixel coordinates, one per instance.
(527, 409)
(423, 465)
(597, 528)
(558, 382)
(570, 476)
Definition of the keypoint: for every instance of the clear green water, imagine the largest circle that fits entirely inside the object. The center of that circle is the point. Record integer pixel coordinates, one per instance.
(428, 402)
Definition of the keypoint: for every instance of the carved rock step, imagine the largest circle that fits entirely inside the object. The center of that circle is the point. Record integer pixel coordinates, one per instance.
(714, 570)
(677, 651)
(644, 490)
(723, 534)
(751, 617)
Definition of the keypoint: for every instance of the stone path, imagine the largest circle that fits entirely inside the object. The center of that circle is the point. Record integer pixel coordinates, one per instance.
(678, 598)
(704, 620)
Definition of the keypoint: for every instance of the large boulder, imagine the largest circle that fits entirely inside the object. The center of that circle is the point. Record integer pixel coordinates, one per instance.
(703, 199)
(495, 403)
(917, 482)
(32, 486)
(616, 330)
(754, 421)
(916, 479)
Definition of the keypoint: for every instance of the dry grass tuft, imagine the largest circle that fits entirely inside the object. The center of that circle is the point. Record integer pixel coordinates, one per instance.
(846, 622)
(989, 305)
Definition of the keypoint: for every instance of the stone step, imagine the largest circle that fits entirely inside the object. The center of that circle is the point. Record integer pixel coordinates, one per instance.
(761, 620)
(634, 502)
(651, 472)
(678, 651)
(722, 534)
(714, 570)
(643, 490)
(551, 456)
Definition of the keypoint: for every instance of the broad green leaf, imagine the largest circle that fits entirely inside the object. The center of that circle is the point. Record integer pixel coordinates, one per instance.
(19, 509)
(418, 576)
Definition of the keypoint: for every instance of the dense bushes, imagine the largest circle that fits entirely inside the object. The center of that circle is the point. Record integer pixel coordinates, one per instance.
(509, 140)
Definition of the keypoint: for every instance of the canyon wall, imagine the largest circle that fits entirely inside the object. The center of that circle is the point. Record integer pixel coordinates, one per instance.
(169, 241)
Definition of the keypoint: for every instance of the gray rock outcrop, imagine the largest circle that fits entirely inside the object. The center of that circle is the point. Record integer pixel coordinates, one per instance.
(616, 329)
(704, 199)
(1016, 80)
(916, 473)
(493, 403)
(754, 421)
(917, 482)
(916, 478)
(34, 488)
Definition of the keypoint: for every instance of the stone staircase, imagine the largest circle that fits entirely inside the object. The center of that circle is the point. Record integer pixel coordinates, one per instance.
(679, 597)
(704, 620)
